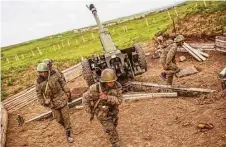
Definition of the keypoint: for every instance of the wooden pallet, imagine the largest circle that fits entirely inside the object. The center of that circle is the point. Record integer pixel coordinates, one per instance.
(220, 43)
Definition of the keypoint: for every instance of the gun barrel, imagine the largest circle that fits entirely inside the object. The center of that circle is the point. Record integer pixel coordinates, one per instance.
(105, 36)
(94, 11)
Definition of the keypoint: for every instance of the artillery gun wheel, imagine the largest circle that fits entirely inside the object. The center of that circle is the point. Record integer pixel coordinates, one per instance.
(87, 72)
(141, 57)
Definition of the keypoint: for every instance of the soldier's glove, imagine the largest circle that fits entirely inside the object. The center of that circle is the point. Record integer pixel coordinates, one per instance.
(46, 103)
(69, 96)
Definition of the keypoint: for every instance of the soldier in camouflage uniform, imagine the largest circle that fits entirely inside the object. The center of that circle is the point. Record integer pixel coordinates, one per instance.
(103, 100)
(168, 61)
(49, 62)
(53, 92)
(162, 43)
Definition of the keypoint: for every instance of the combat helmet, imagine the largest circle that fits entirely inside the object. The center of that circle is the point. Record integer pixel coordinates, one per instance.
(108, 75)
(179, 38)
(42, 67)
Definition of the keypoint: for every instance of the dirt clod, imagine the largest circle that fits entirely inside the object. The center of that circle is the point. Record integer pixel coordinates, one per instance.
(205, 126)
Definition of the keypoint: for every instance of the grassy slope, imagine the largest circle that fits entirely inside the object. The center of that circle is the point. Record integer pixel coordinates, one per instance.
(19, 75)
(204, 23)
(137, 31)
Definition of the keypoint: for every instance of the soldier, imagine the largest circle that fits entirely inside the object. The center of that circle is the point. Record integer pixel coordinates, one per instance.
(168, 61)
(103, 100)
(53, 92)
(223, 78)
(49, 62)
(162, 43)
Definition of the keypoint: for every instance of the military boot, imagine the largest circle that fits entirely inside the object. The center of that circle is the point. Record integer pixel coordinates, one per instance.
(68, 135)
(163, 76)
(169, 80)
(116, 144)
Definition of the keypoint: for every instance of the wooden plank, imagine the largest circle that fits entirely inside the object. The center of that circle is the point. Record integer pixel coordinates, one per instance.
(21, 103)
(49, 113)
(75, 102)
(203, 45)
(221, 50)
(195, 51)
(223, 38)
(5, 102)
(148, 95)
(18, 94)
(40, 117)
(204, 54)
(201, 90)
(221, 42)
(20, 98)
(191, 53)
(181, 49)
(21, 106)
(72, 68)
(4, 125)
(187, 71)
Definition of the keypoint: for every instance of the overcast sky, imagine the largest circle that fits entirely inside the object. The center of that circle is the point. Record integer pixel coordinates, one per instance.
(23, 20)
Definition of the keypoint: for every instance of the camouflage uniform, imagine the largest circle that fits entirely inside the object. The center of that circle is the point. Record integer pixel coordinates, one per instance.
(160, 48)
(107, 110)
(168, 62)
(54, 97)
(49, 62)
(57, 70)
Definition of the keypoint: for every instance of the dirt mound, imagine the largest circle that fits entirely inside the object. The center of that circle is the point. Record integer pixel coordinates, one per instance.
(212, 97)
(201, 24)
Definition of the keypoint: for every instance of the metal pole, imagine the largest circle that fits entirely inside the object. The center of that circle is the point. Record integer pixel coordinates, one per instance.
(40, 52)
(176, 11)
(32, 53)
(169, 15)
(83, 39)
(76, 41)
(146, 22)
(7, 60)
(204, 1)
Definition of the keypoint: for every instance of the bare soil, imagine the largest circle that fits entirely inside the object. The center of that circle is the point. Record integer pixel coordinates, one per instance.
(157, 122)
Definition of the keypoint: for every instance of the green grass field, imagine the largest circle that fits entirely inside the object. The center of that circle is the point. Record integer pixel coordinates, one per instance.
(138, 31)
(19, 61)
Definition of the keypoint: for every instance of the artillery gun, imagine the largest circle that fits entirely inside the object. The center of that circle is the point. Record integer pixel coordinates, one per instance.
(127, 63)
